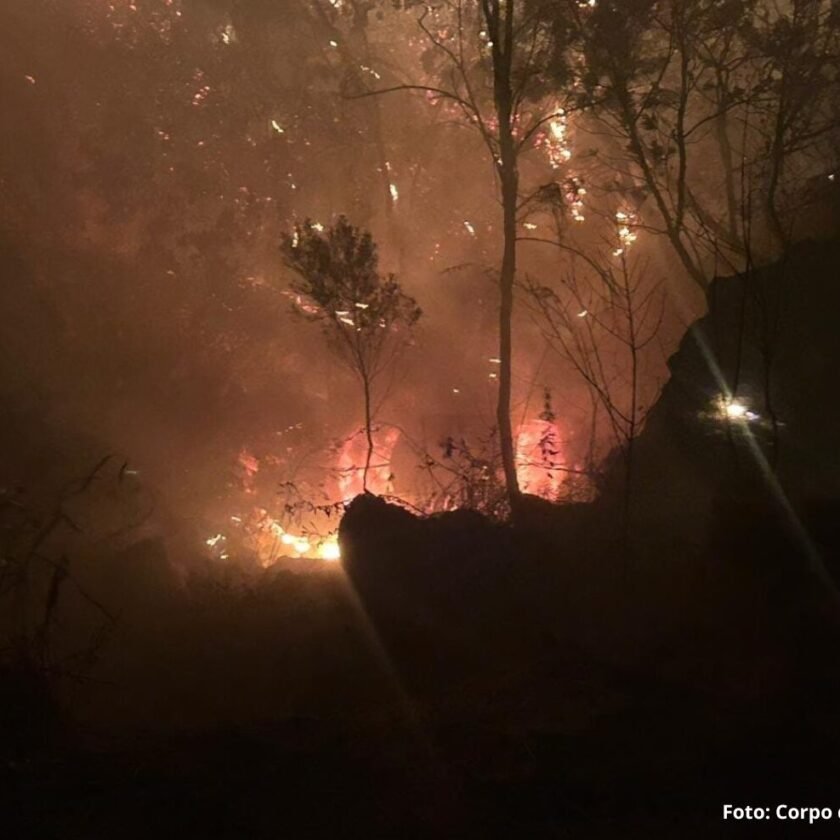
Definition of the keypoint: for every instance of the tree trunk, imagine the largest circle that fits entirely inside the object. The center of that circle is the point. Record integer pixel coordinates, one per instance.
(632, 426)
(727, 163)
(368, 434)
(499, 20)
(506, 281)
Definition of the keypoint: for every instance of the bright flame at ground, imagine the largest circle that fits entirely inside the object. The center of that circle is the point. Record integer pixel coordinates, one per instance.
(264, 538)
(255, 535)
(539, 458)
(351, 459)
(330, 550)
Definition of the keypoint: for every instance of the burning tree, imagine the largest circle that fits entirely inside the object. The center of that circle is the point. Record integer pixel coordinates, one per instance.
(365, 315)
(486, 64)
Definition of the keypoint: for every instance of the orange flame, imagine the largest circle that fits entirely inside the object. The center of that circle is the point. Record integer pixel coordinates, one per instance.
(539, 458)
(351, 460)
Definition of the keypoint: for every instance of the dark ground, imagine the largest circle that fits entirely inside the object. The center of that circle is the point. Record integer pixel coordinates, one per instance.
(463, 679)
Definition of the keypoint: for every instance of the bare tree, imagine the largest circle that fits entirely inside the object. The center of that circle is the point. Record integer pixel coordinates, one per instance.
(711, 123)
(488, 60)
(35, 574)
(364, 315)
(602, 321)
(686, 94)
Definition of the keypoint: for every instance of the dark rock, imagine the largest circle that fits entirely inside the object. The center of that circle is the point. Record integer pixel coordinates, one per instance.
(772, 337)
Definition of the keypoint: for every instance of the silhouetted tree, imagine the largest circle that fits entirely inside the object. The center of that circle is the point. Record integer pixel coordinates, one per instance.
(363, 313)
(488, 63)
(690, 98)
(602, 321)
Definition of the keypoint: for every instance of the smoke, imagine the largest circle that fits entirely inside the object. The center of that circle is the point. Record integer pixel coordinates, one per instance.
(152, 155)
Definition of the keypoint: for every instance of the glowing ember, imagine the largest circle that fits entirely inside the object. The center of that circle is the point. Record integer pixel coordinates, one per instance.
(625, 232)
(574, 193)
(555, 140)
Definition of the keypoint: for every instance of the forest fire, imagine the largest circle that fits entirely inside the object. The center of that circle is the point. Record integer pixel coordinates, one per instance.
(349, 465)
(235, 170)
(539, 458)
(260, 536)
(533, 302)
(541, 466)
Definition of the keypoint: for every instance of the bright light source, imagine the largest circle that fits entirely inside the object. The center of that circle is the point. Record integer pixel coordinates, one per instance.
(736, 410)
(729, 408)
(329, 551)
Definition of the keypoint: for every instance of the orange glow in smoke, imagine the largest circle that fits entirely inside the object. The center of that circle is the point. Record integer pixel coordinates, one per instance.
(351, 460)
